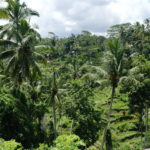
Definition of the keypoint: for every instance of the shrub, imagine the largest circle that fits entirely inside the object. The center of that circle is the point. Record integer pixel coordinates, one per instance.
(43, 147)
(10, 145)
(68, 142)
(64, 142)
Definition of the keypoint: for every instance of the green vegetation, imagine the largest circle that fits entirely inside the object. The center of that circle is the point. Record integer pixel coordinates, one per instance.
(83, 92)
(9, 145)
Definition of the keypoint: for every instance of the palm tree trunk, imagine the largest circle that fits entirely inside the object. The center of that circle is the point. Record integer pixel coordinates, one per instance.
(146, 126)
(108, 140)
(54, 92)
(17, 28)
(54, 116)
(108, 118)
(140, 124)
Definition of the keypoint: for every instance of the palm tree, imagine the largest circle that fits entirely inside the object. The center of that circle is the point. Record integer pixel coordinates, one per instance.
(14, 12)
(114, 66)
(22, 57)
(20, 40)
(56, 93)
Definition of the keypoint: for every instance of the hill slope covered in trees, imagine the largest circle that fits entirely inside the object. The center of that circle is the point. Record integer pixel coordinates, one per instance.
(80, 92)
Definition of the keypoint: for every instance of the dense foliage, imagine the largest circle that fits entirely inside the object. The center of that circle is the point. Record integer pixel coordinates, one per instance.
(80, 92)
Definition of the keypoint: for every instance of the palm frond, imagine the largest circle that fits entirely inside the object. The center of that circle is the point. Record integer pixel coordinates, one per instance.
(90, 76)
(4, 29)
(42, 47)
(4, 13)
(2, 76)
(31, 12)
(103, 82)
(27, 39)
(10, 64)
(40, 57)
(35, 67)
(6, 54)
(129, 80)
(7, 43)
(100, 71)
(11, 2)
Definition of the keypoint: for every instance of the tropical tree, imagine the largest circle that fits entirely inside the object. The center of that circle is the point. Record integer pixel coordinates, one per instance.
(139, 101)
(114, 66)
(14, 12)
(22, 57)
(138, 93)
(80, 108)
(55, 92)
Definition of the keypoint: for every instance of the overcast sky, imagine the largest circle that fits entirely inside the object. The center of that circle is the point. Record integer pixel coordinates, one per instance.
(64, 17)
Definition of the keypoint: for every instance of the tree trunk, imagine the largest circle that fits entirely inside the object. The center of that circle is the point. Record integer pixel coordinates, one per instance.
(54, 116)
(108, 140)
(54, 93)
(146, 126)
(108, 118)
(140, 124)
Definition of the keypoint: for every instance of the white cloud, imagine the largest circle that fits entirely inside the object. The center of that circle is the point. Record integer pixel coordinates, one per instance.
(131, 10)
(64, 17)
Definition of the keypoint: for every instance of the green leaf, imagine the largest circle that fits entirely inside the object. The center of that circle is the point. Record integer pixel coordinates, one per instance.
(6, 54)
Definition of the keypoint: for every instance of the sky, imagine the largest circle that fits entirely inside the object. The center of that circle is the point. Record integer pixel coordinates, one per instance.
(64, 17)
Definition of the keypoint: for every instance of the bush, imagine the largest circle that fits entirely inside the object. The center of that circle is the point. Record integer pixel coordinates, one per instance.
(43, 147)
(64, 142)
(10, 145)
(68, 142)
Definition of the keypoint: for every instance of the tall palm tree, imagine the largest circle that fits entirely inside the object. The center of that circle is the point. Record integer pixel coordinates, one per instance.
(114, 66)
(22, 57)
(20, 40)
(56, 93)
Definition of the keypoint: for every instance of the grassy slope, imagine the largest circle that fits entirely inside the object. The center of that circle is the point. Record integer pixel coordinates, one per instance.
(125, 134)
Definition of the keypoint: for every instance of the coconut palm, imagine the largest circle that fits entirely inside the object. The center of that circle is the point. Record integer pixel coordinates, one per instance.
(114, 66)
(57, 93)
(22, 57)
(54, 86)
(14, 12)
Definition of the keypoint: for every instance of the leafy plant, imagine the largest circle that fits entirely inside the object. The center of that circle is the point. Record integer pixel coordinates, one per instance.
(10, 145)
(68, 142)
